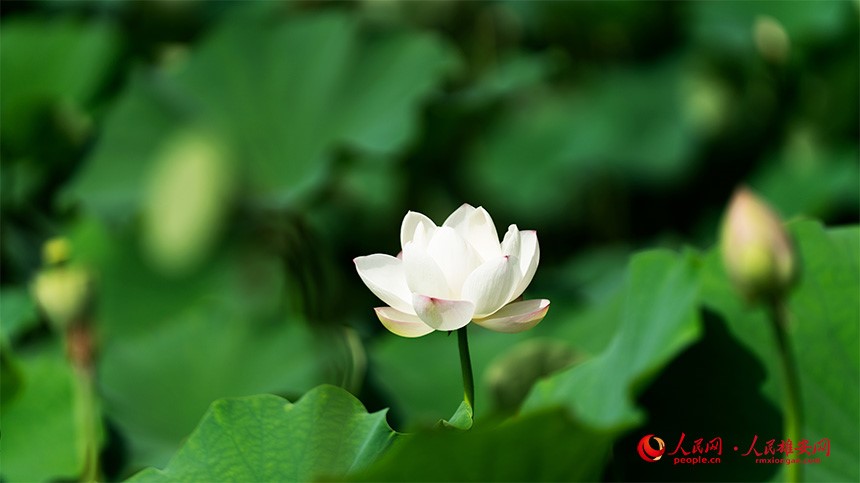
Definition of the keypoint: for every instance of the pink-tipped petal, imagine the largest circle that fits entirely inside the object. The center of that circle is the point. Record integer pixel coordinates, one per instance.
(385, 277)
(516, 317)
(511, 243)
(490, 286)
(402, 324)
(443, 314)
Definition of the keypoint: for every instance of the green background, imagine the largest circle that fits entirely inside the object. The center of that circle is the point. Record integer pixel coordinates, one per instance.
(216, 166)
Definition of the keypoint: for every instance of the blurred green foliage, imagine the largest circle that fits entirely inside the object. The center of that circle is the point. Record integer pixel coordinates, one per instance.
(215, 166)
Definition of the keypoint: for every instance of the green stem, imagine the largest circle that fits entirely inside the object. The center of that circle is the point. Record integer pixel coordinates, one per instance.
(79, 347)
(87, 419)
(793, 408)
(466, 367)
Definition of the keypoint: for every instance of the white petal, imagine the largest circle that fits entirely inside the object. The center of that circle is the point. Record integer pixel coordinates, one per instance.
(423, 234)
(511, 243)
(412, 222)
(490, 286)
(529, 258)
(516, 317)
(404, 325)
(454, 256)
(482, 235)
(385, 277)
(457, 220)
(443, 314)
(423, 275)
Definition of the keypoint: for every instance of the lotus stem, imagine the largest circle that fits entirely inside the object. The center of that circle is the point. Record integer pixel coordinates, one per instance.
(466, 367)
(791, 395)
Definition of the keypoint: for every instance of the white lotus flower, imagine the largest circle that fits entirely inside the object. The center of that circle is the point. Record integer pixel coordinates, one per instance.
(450, 275)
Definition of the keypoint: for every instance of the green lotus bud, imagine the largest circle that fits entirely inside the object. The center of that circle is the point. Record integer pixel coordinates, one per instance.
(771, 40)
(707, 102)
(511, 376)
(187, 198)
(62, 291)
(757, 251)
(56, 251)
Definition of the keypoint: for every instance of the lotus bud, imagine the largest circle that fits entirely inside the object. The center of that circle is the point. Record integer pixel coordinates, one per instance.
(186, 202)
(61, 290)
(511, 376)
(56, 251)
(771, 40)
(757, 252)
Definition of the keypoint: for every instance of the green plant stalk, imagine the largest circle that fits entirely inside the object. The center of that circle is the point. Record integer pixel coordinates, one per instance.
(466, 367)
(87, 420)
(791, 396)
(79, 350)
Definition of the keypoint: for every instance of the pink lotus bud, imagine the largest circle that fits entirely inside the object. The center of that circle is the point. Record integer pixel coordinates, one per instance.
(757, 251)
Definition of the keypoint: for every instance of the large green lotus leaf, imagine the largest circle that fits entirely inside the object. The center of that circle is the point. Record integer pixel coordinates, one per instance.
(824, 327)
(712, 389)
(591, 276)
(157, 384)
(282, 96)
(588, 298)
(49, 63)
(544, 154)
(42, 415)
(113, 181)
(379, 104)
(266, 438)
(276, 99)
(545, 446)
(659, 319)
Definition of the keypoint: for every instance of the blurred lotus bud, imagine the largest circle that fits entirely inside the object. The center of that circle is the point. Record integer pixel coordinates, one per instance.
(511, 376)
(757, 252)
(62, 291)
(707, 102)
(56, 251)
(187, 198)
(770, 39)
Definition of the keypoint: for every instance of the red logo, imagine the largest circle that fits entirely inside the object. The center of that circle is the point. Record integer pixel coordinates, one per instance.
(648, 452)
